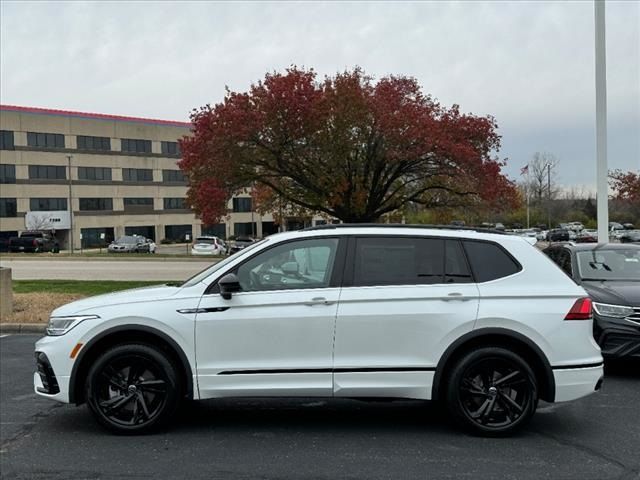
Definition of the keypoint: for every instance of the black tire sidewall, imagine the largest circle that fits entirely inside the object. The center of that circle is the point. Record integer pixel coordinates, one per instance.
(453, 401)
(154, 355)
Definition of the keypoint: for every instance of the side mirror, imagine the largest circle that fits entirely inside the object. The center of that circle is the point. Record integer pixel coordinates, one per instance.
(229, 284)
(290, 268)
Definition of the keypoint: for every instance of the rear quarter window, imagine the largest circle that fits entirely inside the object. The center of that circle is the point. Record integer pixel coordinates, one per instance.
(489, 261)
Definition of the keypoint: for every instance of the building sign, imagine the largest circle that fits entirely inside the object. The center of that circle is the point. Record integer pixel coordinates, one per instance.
(58, 220)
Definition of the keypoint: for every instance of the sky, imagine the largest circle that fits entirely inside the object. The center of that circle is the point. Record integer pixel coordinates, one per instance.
(528, 64)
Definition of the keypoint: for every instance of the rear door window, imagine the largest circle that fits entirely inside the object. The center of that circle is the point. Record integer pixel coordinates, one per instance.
(455, 264)
(398, 261)
(489, 261)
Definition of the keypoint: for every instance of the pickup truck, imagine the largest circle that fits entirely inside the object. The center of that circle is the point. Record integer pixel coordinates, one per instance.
(34, 242)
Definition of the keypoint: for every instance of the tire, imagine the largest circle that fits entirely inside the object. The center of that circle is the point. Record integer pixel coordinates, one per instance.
(491, 392)
(120, 397)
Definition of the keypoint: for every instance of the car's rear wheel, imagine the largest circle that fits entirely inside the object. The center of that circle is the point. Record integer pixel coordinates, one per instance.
(492, 391)
(133, 389)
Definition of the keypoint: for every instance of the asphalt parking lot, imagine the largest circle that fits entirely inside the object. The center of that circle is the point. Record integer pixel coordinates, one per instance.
(594, 438)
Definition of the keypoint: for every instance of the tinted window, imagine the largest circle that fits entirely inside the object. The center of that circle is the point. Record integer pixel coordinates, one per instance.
(294, 265)
(455, 264)
(174, 204)
(173, 176)
(6, 140)
(242, 204)
(96, 204)
(170, 148)
(93, 143)
(7, 173)
(489, 261)
(135, 145)
(137, 175)
(138, 204)
(94, 173)
(47, 204)
(47, 140)
(398, 261)
(47, 172)
(8, 207)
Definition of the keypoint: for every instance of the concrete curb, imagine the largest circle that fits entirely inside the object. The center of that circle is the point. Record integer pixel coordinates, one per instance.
(22, 328)
(202, 259)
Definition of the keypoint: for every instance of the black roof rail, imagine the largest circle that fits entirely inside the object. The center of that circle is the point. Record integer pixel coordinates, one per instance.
(402, 225)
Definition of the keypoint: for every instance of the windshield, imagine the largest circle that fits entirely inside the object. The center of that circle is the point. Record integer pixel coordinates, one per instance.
(618, 264)
(199, 277)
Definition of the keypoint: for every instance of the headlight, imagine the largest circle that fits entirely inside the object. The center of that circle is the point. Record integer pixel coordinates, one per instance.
(616, 311)
(61, 325)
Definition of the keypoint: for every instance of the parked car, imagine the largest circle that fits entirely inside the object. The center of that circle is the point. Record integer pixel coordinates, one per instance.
(542, 235)
(631, 236)
(558, 235)
(610, 273)
(208, 245)
(240, 243)
(131, 244)
(34, 242)
(480, 321)
(587, 236)
(575, 226)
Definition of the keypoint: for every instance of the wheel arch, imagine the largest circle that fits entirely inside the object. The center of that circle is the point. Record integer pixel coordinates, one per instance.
(499, 337)
(126, 334)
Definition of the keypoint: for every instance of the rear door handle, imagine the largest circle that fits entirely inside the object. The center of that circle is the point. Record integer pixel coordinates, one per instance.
(318, 301)
(454, 296)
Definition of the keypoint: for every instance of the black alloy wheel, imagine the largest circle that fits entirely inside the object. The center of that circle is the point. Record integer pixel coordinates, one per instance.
(492, 391)
(133, 389)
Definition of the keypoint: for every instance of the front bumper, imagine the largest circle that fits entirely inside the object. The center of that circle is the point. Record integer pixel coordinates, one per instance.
(618, 338)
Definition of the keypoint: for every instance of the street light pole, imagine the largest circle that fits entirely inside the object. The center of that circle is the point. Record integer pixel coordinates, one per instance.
(549, 195)
(70, 204)
(602, 196)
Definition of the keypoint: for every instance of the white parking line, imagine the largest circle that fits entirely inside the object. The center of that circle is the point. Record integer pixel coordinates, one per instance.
(7, 335)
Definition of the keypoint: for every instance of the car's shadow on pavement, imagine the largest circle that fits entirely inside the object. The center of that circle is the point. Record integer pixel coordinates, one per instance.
(314, 413)
(627, 368)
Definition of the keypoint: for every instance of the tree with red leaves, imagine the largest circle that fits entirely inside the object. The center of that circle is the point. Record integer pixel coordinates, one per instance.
(347, 147)
(626, 186)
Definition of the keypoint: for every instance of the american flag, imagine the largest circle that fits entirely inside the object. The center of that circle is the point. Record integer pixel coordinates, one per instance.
(524, 170)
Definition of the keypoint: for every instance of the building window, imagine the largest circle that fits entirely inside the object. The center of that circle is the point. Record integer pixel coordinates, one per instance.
(242, 205)
(6, 140)
(138, 204)
(47, 172)
(47, 204)
(246, 229)
(173, 176)
(147, 231)
(8, 207)
(218, 230)
(137, 175)
(96, 204)
(135, 145)
(170, 148)
(174, 204)
(177, 233)
(93, 143)
(92, 237)
(7, 173)
(94, 173)
(269, 228)
(45, 140)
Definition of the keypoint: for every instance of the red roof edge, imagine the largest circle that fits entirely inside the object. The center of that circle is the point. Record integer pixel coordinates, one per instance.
(94, 116)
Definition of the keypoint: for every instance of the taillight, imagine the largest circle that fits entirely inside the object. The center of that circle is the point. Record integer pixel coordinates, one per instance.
(581, 310)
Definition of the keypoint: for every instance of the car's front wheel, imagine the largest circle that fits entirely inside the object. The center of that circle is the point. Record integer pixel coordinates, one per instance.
(133, 388)
(492, 391)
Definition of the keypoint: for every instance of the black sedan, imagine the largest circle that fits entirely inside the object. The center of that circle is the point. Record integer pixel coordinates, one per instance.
(558, 235)
(610, 273)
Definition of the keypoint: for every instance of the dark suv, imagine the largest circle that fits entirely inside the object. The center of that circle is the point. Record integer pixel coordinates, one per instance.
(610, 273)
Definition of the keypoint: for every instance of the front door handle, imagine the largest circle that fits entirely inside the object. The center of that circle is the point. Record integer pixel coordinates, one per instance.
(318, 301)
(454, 296)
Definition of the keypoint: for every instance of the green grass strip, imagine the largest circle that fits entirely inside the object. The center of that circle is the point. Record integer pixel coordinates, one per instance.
(81, 287)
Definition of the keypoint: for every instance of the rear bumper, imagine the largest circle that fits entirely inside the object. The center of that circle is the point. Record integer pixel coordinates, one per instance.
(573, 383)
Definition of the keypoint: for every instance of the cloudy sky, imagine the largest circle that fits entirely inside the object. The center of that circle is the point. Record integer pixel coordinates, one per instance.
(531, 65)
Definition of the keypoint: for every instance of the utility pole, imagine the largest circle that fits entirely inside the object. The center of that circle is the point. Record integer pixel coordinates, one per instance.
(71, 232)
(601, 123)
(549, 195)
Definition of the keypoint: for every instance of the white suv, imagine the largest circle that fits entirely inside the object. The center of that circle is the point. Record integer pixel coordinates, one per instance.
(482, 321)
